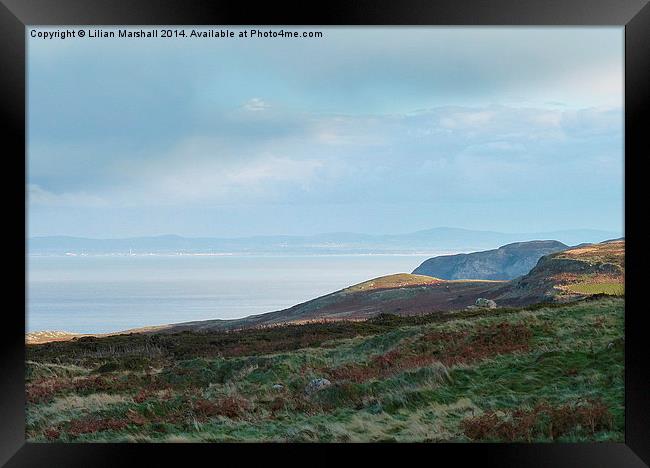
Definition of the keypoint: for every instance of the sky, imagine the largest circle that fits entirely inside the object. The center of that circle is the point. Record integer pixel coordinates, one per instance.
(369, 130)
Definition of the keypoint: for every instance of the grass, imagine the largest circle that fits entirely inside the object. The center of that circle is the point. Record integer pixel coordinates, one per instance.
(604, 253)
(611, 289)
(544, 373)
(400, 280)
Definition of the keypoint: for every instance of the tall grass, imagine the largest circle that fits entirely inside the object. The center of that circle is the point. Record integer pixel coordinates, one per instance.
(447, 377)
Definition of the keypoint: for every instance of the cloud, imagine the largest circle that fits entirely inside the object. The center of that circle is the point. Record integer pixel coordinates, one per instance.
(467, 119)
(255, 105)
(374, 116)
(213, 181)
(36, 195)
(445, 154)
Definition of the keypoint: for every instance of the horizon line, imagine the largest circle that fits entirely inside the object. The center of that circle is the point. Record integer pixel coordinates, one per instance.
(609, 231)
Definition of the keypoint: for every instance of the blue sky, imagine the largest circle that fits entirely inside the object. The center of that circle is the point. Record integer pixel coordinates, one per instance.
(382, 130)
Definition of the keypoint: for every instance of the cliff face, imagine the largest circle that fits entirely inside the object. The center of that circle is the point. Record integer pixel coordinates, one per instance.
(505, 263)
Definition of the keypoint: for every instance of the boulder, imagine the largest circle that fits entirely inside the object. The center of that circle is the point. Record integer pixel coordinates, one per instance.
(485, 303)
(316, 385)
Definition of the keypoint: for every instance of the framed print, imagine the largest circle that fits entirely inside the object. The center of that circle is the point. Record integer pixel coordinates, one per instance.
(364, 226)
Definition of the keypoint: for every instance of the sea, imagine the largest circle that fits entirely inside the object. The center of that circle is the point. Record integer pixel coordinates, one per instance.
(108, 293)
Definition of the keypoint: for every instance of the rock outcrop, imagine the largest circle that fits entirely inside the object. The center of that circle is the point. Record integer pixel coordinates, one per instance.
(505, 263)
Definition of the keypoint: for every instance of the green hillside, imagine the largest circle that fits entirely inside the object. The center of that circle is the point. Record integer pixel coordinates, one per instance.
(546, 373)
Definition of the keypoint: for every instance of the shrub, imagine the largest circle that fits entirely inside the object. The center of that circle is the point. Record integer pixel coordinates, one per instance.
(464, 347)
(542, 421)
(231, 407)
(77, 427)
(52, 433)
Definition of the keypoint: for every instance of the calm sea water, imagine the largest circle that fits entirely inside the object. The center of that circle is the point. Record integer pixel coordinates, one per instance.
(97, 294)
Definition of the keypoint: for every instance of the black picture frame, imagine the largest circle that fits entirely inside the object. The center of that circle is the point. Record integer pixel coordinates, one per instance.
(16, 15)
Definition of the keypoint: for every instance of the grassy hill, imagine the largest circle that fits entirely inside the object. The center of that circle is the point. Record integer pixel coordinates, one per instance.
(545, 373)
(571, 274)
(403, 294)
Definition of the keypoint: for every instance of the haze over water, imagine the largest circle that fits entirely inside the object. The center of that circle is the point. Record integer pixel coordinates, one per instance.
(98, 294)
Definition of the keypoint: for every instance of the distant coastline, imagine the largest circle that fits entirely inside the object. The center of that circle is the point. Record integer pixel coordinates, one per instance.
(436, 241)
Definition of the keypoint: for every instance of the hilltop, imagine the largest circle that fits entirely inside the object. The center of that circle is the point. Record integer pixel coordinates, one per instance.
(401, 294)
(505, 263)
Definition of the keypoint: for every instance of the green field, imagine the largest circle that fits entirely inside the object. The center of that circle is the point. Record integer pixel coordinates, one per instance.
(611, 289)
(549, 373)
